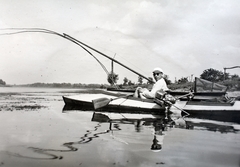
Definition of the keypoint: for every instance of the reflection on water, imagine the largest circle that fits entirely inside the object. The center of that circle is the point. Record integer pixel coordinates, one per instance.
(158, 127)
(48, 135)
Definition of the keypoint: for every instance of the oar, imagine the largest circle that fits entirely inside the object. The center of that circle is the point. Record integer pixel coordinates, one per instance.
(189, 94)
(181, 110)
(102, 102)
(170, 104)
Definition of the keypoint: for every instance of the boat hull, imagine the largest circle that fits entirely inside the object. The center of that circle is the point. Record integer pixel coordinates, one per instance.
(197, 109)
(211, 110)
(123, 105)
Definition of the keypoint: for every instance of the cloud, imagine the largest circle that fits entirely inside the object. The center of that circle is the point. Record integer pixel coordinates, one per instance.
(181, 37)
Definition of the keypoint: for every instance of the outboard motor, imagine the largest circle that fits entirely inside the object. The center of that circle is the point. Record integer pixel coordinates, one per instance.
(163, 98)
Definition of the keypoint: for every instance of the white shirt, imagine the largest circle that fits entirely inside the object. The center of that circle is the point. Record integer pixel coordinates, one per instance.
(160, 84)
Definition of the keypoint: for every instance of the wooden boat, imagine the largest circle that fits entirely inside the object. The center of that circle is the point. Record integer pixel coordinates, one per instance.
(209, 102)
(221, 111)
(120, 103)
(227, 112)
(126, 103)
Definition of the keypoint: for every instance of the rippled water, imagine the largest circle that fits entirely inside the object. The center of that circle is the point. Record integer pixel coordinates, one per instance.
(35, 131)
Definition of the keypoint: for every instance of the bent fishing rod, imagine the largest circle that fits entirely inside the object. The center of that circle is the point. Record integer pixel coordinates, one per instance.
(74, 40)
(20, 30)
(69, 37)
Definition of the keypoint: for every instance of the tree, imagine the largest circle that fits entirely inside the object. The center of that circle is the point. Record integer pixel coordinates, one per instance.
(140, 80)
(130, 83)
(112, 78)
(213, 75)
(125, 81)
(183, 80)
(2, 82)
(235, 77)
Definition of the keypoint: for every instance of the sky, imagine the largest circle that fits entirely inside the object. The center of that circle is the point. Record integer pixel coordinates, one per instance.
(184, 38)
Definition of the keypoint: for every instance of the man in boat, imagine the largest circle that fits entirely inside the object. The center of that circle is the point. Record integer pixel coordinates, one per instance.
(159, 85)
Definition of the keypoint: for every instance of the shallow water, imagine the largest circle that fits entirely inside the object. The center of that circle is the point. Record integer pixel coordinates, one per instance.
(35, 131)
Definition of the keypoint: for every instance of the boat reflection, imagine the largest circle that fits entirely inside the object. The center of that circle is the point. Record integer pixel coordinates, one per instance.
(212, 125)
(226, 116)
(158, 125)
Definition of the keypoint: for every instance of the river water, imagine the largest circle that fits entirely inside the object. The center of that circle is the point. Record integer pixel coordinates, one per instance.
(36, 131)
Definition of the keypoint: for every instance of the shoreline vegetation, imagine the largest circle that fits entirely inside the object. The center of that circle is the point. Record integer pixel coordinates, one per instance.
(232, 86)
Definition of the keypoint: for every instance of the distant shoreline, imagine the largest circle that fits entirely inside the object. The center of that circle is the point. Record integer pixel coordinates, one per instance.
(232, 86)
(60, 85)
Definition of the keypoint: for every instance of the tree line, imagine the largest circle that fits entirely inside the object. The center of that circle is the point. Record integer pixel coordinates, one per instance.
(232, 81)
(66, 85)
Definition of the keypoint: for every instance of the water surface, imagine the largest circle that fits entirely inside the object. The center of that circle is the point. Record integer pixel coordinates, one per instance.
(35, 131)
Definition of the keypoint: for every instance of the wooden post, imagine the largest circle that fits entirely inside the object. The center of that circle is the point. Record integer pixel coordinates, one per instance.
(112, 72)
(112, 66)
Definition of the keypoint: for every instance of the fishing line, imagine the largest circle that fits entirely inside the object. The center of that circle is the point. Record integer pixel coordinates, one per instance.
(77, 42)
(21, 30)
(29, 30)
(42, 30)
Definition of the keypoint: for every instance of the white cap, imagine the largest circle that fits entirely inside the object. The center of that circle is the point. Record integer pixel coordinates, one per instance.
(157, 70)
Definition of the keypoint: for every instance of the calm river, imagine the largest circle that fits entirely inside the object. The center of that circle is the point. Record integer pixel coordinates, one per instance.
(36, 131)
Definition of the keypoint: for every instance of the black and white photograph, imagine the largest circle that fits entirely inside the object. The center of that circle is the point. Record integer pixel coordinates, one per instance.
(119, 83)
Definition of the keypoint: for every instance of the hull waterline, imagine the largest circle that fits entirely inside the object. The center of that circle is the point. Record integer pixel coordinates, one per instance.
(217, 111)
(124, 105)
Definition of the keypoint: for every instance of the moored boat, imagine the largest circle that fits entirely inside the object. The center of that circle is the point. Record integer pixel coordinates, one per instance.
(124, 102)
(119, 103)
(228, 112)
(222, 111)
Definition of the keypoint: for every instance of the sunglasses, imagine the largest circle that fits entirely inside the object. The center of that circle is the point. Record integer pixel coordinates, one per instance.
(156, 74)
